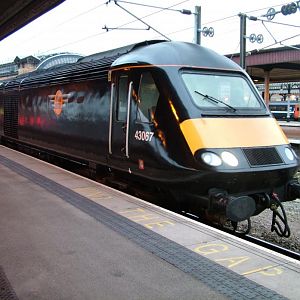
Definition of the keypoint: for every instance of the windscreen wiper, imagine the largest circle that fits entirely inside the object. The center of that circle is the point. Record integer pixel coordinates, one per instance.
(215, 100)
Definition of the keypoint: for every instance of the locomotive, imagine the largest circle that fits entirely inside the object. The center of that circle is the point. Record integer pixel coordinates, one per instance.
(172, 115)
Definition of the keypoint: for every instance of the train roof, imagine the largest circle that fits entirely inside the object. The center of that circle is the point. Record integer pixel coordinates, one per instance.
(114, 53)
(96, 66)
(177, 53)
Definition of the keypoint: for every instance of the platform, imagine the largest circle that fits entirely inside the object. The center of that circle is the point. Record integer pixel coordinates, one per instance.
(290, 123)
(66, 237)
(292, 131)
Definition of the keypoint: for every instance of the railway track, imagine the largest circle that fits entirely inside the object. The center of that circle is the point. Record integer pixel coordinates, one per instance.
(273, 247)
(248, 237)
(258, 241)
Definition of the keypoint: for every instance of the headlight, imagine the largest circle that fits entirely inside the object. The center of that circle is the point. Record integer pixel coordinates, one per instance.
(289, 154)
(211, 159)
(229, 159)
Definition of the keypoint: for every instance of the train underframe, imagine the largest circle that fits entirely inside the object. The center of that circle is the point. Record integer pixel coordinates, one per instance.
(238, 204)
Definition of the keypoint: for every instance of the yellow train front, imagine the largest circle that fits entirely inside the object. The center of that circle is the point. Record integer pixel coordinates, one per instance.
(218, 149)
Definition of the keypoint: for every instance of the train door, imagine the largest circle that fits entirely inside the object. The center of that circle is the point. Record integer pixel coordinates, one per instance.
(144, 128)
(134, 98)
(119, 119)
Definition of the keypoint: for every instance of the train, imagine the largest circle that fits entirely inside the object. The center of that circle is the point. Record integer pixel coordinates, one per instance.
(172, 116)
(285, 110)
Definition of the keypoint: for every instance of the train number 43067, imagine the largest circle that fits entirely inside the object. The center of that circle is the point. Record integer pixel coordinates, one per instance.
(145, 136)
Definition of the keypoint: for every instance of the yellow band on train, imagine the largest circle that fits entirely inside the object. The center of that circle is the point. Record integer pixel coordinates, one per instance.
(232, 133)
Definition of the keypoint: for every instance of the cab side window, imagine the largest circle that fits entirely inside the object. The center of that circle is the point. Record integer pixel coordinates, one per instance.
(148, 95)
(122, 98)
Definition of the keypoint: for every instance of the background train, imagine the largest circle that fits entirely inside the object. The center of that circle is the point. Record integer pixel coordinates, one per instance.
(174, 116)
(285, 110)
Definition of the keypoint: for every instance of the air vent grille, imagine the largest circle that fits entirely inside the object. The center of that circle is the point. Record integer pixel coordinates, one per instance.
(262, 156)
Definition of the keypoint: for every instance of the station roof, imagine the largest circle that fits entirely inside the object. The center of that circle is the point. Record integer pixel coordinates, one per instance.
(14, 14)
(283, 63)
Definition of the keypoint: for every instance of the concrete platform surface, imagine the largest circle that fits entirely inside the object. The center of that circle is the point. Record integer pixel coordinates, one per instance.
(51, 250)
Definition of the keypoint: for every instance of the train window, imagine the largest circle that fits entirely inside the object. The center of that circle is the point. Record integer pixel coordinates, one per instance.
(147, 98)
(221, 91)
(122, 98)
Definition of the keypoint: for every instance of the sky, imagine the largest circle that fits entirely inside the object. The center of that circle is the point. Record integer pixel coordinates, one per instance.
(76, 26)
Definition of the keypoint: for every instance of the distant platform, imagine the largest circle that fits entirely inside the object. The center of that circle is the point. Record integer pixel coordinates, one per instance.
(289, 124)
(294, 141)
(292, 131)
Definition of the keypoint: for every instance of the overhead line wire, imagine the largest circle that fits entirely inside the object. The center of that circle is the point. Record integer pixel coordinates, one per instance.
(152, 6)
(279, 42)
(156, 12)
(139, 19)
(148, 15)
(232, 16)
(104, 32)
(81, 14)
(100, 33)
(62, 23)
(221, 19)
(279, 23)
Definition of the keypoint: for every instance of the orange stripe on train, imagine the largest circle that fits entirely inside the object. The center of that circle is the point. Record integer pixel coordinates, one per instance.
(232, 132)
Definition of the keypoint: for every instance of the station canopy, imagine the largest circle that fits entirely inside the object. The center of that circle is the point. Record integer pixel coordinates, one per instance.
(278, 64)
(14, 14)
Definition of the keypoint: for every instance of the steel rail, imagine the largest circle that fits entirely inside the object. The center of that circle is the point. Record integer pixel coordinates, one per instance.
(273, 247)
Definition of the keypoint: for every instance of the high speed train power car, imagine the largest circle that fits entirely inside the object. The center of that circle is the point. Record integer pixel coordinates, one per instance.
(172, 115)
